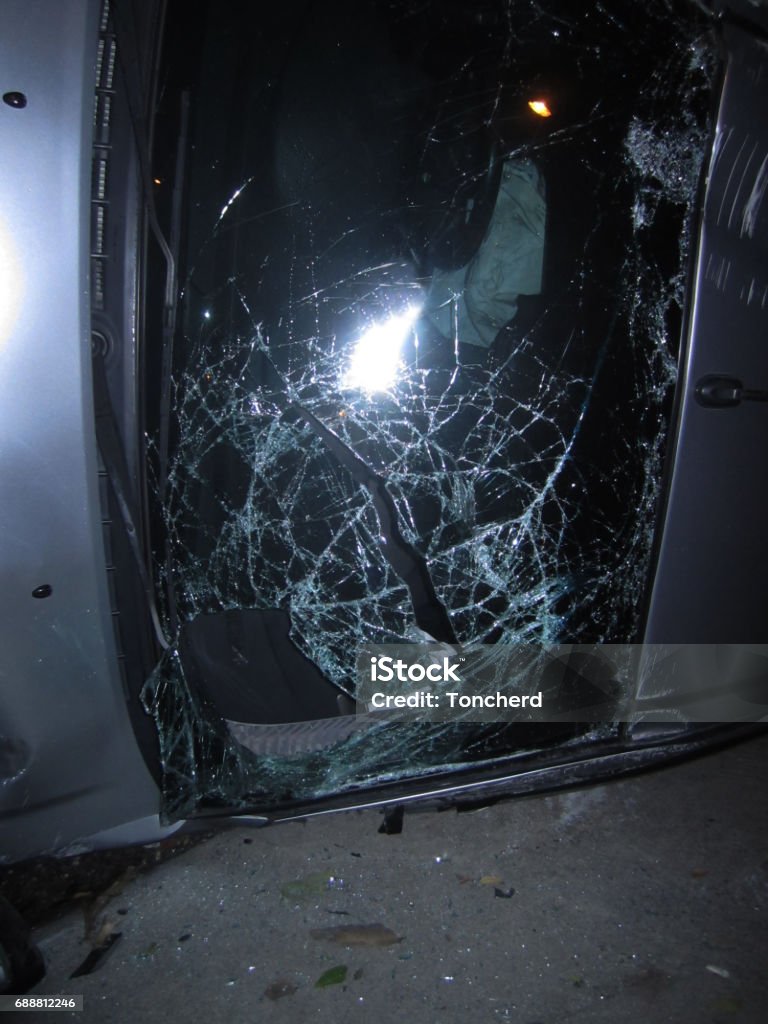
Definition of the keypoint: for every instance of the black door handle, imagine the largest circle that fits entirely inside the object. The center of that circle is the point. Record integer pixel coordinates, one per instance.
(718, 392)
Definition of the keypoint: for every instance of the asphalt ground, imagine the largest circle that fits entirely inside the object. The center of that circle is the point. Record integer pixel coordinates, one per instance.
(643, 900)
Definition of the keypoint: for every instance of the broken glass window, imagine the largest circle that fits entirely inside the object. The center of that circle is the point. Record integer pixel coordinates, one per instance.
(433, 268)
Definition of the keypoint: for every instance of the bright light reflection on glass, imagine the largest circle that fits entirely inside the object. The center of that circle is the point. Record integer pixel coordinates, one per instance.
(376, 360)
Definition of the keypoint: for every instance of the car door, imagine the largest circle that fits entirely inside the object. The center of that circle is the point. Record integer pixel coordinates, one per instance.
(395, 383)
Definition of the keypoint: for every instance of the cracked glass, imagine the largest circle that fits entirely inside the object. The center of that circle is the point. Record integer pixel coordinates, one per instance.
(432, 271)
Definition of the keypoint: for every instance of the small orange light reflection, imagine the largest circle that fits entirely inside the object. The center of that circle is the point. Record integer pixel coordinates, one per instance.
(540, 107)
(158, 181)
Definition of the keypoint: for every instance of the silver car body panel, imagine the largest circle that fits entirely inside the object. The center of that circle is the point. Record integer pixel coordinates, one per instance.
(712, 565)
(69, 763)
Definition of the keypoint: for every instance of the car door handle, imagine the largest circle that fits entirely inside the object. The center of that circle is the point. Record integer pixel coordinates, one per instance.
(719, 392)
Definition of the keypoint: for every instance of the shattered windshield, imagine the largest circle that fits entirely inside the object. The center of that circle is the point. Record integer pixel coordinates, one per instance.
(432, 267)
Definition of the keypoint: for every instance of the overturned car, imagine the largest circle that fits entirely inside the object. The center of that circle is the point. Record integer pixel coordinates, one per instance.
(339, 333)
